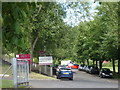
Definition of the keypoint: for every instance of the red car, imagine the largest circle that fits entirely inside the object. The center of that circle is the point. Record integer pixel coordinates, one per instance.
(73, 66)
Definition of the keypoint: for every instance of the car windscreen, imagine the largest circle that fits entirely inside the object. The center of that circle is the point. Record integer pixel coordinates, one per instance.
(106, 70)
(75, 64)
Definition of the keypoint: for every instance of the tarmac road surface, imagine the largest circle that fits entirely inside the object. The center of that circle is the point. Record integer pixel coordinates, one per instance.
(80, 80)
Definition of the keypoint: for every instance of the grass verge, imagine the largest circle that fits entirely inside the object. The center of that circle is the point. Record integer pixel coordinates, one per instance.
(116, 76)
(9, 84)
(34, 75)
(6, 83)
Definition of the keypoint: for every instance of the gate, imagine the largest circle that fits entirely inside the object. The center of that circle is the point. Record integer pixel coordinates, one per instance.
(20, 72)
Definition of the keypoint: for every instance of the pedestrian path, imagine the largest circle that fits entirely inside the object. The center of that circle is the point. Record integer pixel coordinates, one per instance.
(4, 75)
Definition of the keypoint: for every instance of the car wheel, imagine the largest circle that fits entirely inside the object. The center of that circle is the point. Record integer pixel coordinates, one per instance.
(101, 76)
(70, 78)
(57, 77)
(90, 72)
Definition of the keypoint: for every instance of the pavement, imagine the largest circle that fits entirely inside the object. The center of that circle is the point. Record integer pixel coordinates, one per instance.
(80, 80)
(4, 75)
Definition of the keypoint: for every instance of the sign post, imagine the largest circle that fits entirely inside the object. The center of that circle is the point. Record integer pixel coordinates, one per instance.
(14, 62)
(44, 61)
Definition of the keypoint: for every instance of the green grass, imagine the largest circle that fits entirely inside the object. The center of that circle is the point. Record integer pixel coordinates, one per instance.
(24, 87)
(9, 84)
(6, 83)
(34, 75)
(116, 76)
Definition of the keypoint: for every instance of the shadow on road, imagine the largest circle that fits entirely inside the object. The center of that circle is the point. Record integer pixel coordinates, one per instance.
(65, 79)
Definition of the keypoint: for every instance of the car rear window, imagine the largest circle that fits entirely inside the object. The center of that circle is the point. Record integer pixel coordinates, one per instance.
(76, 64)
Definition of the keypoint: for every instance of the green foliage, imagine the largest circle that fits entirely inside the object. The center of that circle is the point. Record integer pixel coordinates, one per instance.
(98, 39)
(31, 27)
(24, 22)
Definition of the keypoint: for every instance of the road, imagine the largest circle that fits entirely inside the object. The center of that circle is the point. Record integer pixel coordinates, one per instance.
(81, 80)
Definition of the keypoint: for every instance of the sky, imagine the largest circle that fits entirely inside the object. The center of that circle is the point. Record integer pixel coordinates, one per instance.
(73, 20)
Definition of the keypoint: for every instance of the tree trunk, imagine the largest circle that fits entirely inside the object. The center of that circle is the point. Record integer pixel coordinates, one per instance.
(96, 63)
(31, 58)
(87, 62)
(83, 61)
(32, 46)
(118, 40)
(100, 64)
(113, 63)
(119, 66)
(93, 62)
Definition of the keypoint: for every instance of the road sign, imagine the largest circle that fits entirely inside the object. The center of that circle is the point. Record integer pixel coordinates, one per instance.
(47, 60)
(23, 57)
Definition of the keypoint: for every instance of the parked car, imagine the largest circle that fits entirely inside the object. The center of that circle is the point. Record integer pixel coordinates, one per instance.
(64, 73)
(54, 68)
(84, 68)
(73, 66)
(94, 70)
(105, 72)
(87, 69)
(81, 67)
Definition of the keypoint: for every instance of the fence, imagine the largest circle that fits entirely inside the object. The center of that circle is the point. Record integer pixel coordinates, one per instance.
(20, 72)
(43, 69)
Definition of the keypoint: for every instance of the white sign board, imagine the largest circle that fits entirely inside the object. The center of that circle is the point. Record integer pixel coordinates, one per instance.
(47, 60)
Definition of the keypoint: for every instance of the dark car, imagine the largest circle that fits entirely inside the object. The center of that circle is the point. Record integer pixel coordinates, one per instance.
(94, 70)
(64, 73)
(105, 72)
(54, 68)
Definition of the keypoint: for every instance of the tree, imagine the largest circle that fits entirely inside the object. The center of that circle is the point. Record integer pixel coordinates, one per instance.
(30, 22)
(98, 38)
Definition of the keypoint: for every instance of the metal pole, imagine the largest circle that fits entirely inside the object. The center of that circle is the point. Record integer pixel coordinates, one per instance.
(18, 72)
(7, 71)
(25, 71)
(22, 72)
(51, 70)
(27, 68)
(45, 69)
(14, 63)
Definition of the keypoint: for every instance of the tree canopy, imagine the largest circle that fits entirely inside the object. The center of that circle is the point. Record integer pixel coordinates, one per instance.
(28, 27)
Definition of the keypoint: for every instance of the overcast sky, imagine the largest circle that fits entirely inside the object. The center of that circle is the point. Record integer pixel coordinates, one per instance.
(72, 19)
